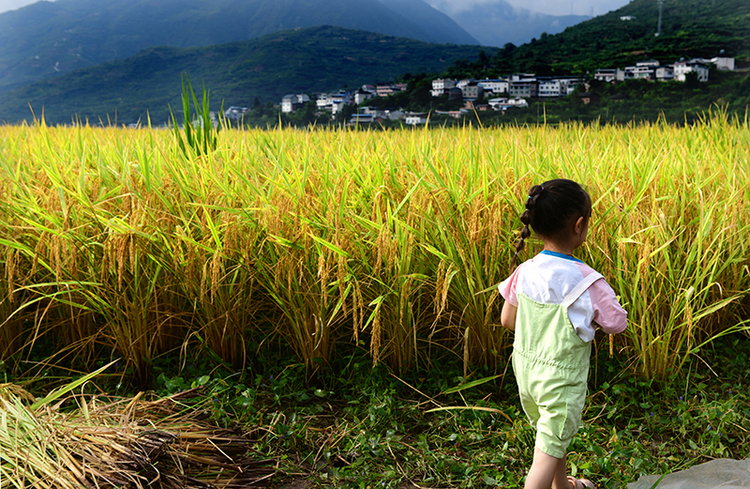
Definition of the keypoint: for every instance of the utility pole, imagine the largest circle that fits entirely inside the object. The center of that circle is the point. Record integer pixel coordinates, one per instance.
(658, 29)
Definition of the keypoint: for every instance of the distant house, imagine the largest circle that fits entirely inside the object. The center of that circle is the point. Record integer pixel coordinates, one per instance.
(556, 86)
(375, 112)
(466, 81)
(627, 17)
(723, 64)
(609, 75)
(504, 104)
(441, 86)
(363, 119)
(665, 73)
(393, 114)
(523, 88)
(383, 114)
(338, 106)
(472, 91)
(235, 113)
(415, 119)
(287, 103)
(329, 101)
(456, 114)
(384, 89)
(644, 70)
(362, 95)
(682, 68)
(290, 103)
(496, 86)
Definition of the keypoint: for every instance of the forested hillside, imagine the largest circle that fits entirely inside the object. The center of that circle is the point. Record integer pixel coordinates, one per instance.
(293, 61)
(690, 28)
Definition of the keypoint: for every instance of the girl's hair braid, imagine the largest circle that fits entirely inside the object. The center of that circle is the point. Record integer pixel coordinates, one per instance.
(550, 208)
(534, 193)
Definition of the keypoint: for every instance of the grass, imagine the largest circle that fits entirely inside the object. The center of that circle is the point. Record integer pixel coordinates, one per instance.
(375, 428)
(359, 427)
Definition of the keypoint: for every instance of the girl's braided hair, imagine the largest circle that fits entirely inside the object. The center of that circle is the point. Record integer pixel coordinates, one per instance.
(551, 208)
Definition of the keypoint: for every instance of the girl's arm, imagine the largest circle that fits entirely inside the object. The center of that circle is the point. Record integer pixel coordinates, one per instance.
(508, 316)
(608, 313)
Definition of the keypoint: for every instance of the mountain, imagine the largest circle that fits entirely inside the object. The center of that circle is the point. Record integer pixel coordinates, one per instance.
(423, 14)
(48, 38)
(317, 59)
(690, 28)
(498, 23)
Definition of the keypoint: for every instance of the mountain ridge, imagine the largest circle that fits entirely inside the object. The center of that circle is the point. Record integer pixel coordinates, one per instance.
(48, 38)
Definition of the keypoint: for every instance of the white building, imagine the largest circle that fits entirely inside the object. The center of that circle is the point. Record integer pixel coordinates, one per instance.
(645, 70)
(235, 113)
(682, 68)
(375, 112)
(338, 106)
(723, 64)
(361, 96)
(665, 73)
(327, 101)
(496, 86)
(609, 75)
(466, 81)
(361, 119)
(415, 119)
(441, 86)
(290, 103)
(506, 103)
(556, 87)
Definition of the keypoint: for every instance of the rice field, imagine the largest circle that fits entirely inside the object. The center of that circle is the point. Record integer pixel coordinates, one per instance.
(118, 244)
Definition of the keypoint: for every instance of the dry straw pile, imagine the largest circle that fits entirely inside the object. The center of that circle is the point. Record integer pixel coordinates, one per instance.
(167, 443)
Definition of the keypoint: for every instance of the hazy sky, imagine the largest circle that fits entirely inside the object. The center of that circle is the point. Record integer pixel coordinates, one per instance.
(13, 4)
(554, 7)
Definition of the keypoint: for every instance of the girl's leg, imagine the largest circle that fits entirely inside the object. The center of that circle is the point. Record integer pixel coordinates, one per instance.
(547, 471)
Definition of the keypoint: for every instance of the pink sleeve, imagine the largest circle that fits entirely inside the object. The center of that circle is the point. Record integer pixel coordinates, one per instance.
(608, 313)
(507, 288)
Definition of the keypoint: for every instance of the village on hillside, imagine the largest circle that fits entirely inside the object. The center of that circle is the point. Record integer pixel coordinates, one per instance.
(498, 94)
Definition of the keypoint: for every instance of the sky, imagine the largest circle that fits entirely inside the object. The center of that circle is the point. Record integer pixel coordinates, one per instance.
(6, 5)
(553, 7)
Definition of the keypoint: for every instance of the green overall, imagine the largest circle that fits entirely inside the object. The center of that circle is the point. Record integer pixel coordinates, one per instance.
(551, 364)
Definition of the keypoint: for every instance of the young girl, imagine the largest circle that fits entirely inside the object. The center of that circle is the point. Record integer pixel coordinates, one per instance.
(552, 302)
